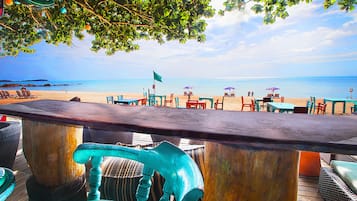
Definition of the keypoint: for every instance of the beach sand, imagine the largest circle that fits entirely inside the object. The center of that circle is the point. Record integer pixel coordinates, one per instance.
(230, 103)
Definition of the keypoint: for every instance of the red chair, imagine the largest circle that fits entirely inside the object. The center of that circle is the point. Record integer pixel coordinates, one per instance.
(219, 105)
(250, 105)
(169, 101)
(321, 107)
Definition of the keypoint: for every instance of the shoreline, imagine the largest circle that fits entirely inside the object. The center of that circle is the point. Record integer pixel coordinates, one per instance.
(230, 103)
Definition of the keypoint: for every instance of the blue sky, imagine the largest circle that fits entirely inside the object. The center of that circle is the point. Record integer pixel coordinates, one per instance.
(310, 42)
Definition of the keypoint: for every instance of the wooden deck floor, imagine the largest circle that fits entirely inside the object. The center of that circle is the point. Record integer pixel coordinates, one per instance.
(307, 189)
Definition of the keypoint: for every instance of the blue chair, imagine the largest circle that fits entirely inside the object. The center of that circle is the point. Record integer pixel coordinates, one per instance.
(152, 100)
(183, 178)
(110, 99)
(7, 183)
(313, 105)
(120, 97)
(177, 103)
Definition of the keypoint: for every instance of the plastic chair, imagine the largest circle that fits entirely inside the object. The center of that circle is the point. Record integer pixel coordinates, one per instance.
(321, 107)
(7, 183)
(152, 100)
(219, 105)
(183, 178)
(177, 103)
(110, 100)
(170, 101)
(256, 105)
(250, 105)
(313, 106)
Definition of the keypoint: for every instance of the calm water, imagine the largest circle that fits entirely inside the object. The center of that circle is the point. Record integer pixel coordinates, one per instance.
(333, 87)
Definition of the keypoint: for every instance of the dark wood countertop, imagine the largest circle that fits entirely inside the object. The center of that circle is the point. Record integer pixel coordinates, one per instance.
(334, 134)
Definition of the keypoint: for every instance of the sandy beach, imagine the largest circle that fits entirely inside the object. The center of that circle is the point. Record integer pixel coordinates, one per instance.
(230, 103)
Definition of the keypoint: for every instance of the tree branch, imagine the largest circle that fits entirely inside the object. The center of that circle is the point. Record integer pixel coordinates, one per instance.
(49, 19)
(131, 11)
(8, 27)
(33, 17)
(94, 13)
(134, 25)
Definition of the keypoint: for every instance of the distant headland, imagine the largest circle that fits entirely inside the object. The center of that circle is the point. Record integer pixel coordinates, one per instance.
(12, 83)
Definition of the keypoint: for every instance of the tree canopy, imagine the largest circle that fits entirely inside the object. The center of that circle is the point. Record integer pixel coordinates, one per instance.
(117, 25)
(273, 9)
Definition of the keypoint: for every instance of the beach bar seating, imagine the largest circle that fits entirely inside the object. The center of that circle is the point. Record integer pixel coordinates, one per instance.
(110, 99)
(249, 105)
(195, 104)
(169, 101)
(218, 105)
(183, 178)
(321, 108)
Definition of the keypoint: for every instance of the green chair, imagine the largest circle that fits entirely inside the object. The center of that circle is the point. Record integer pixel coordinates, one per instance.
(7, 183)
(120, 97)
(152, 100)
(110, 99)
(177, 103)
(313, 105)
(183, 178)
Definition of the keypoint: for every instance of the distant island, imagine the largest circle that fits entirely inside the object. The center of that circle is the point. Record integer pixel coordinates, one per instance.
(10, 83)
(36, 80)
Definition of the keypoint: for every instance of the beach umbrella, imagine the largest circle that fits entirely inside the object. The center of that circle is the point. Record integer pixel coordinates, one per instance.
(188, 90)
(273, 89)
(229, 88)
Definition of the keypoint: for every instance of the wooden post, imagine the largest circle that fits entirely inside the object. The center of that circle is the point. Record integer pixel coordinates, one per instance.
(249, 174)
(48, 148)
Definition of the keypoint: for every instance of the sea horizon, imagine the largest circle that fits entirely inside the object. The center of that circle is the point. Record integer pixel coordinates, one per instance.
(292, 87)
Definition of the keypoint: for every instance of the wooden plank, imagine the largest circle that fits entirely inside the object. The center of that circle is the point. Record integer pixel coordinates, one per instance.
(336, 134)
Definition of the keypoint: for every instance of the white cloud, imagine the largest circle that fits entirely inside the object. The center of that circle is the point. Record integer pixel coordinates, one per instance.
(238, 44)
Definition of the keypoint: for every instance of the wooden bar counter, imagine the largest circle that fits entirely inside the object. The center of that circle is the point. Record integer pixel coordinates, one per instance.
(249, 155)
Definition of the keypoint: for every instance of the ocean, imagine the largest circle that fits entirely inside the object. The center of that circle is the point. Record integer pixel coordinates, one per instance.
(293, 87)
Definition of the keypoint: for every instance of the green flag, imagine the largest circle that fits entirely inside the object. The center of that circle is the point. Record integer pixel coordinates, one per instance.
(157, 77)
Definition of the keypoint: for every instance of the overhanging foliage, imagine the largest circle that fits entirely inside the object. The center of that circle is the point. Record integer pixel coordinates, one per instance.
(116, 24)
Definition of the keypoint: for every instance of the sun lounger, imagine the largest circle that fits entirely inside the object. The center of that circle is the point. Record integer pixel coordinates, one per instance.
(19, 94)
(3, 94)
(29, 95)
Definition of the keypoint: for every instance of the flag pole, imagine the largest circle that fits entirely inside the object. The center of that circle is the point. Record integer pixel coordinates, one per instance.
(153, 85)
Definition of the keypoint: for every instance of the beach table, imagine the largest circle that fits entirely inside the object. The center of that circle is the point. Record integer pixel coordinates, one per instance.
(282, 107)
(339, 100)
(154, 96)
(210, 99)
(248, 155)
(127, 101)
(196, 104)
